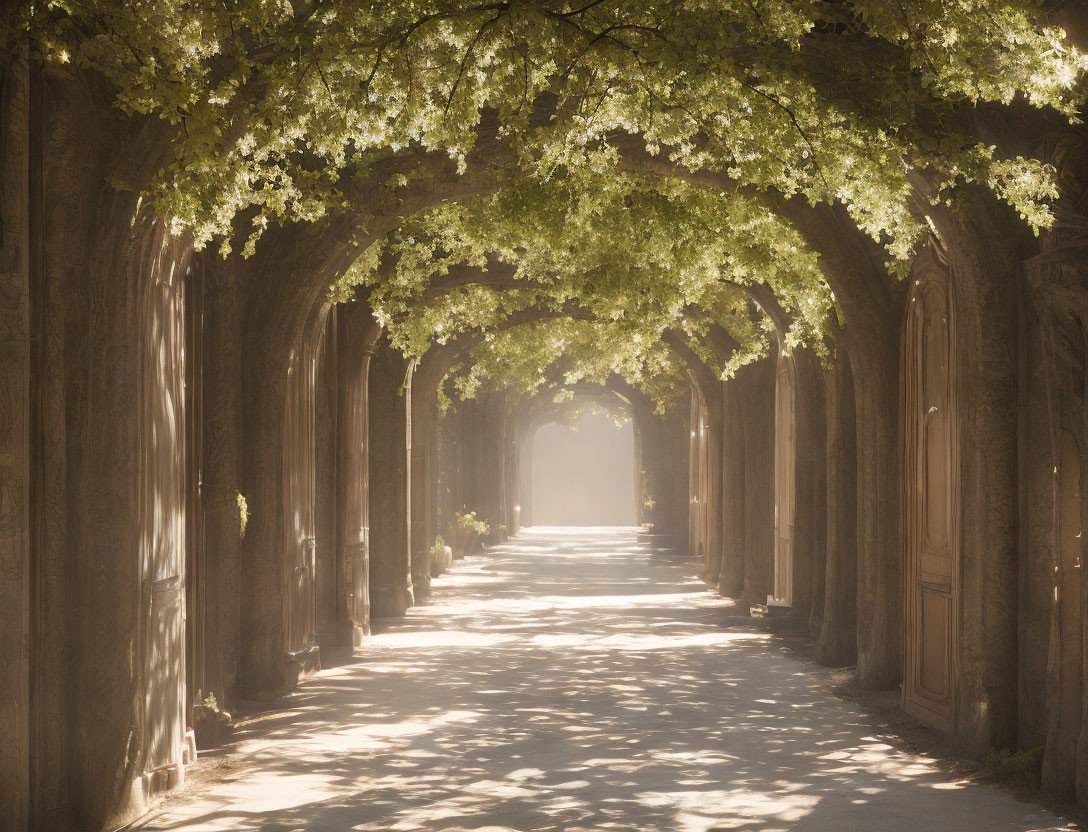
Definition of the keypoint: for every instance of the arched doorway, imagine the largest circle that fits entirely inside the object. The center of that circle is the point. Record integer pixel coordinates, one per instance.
(584, 475)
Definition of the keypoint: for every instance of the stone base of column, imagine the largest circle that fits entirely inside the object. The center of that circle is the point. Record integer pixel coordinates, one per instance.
(390, 601)
(772, 609)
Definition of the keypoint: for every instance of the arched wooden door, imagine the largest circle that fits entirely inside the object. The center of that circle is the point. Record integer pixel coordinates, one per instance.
(785, 478)
(932, 533)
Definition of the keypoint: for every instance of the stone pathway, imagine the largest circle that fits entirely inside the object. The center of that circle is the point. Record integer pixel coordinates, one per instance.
(569, 681)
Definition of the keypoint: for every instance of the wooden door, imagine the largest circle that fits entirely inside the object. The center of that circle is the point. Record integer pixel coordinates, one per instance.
(932, 602)
(163, 512)
(785, 480)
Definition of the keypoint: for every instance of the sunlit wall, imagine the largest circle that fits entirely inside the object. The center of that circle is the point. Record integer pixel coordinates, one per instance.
(584, 477)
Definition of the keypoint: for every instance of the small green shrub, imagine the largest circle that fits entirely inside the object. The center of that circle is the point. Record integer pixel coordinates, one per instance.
(468, 522)
(1015, 769)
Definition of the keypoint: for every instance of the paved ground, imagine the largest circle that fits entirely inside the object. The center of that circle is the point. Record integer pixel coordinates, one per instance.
(571, 682)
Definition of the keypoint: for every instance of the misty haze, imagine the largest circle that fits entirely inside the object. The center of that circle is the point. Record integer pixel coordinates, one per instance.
(584, 476)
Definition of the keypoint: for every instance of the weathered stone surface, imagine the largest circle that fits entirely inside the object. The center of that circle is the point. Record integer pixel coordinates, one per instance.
(390, 546)
(15, 439)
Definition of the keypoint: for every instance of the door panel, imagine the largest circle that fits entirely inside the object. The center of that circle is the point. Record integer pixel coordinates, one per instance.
(932, 681)
(932, 584)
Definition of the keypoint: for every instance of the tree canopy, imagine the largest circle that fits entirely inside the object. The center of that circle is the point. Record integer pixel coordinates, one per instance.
(283, 112)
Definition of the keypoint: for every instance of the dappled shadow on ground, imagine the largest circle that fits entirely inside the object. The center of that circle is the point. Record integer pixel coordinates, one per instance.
(575, 681)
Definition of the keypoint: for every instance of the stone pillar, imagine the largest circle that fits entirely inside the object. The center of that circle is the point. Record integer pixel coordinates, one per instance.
(330, 615)
(836, 643)
(424, 419)
(448, 474)
(810, 495)
(871, 303)
(731, 577)
(512, 493)
(696, 527)
(221, 487)
(525, 471)
(676, 465)
(757, 383)
(269, 556)
(54, 203)
(390, 547)
(492, 479)
(985, 254)
(357, 332)
(15, 438)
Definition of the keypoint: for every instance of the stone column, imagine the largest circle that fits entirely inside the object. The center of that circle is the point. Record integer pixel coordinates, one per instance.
(836, 643)
(15, 438)
(757, 409)
(221, 487)
(390, 547)
(357, 335)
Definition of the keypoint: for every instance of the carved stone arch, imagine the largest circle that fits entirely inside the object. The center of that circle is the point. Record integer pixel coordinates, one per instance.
(931, 499)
